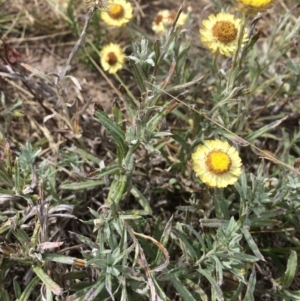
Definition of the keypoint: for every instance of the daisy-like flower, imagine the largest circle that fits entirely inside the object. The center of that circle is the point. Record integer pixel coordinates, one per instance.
(217, 163)
(112, 58)
(257, 5)
(117, 13)
(164, 19)
(220, 33)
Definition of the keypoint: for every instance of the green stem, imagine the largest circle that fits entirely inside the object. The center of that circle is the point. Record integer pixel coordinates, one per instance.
(232, 71)
(127, 90)
(215, 61)
(239, 42)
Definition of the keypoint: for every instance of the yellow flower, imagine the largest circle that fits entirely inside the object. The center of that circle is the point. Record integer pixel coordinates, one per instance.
(217, 163)
(118, 13)
(112, 58)
(220, 33)
(256, 4)
(164, 19)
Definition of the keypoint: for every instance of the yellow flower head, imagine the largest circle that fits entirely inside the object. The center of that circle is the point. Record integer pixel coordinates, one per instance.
(257, 5)
(164, 19)
(112, 58)
(220, 33)
(118, 13)
(217, 163)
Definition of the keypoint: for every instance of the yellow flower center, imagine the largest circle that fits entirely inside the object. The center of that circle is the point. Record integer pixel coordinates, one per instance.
(116, 11)
(224, 31)
(218, 162)
(111, 58)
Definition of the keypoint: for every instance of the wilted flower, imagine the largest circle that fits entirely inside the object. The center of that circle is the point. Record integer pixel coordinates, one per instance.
(112, 58)
(217, 163)
(117, 12)
(220, 33)
(164, 19)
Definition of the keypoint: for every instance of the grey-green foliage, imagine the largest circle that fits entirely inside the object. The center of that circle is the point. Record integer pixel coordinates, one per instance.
(292, 196)
(27, 157)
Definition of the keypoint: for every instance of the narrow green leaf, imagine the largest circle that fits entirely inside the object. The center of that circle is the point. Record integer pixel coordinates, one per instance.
(265, 129)
(218, 268)
(238, 291)
(5, 177)
(197, 289)
(139, 75)
(156, 47)
(292, 295)
(75, 275)
(198, 236)
(252, 243)
(4, 295)
(89, 184)
(183, 292)
(251, 286)
(161, 114)
(22, 237)
(59, 258)
(114, 130)
(183, 117)
(141, 199)
(50, 284)
(213, 223)
(214, 286)
(17, 288)
(237, 256)
(124, 296)
(8, 195)
(117, 189)
(17, 177)
(183, 142)
(289, 275)
(181, 235)
(164, 240)
(85, 240)
(118, 118)
(49, 295)
(109, 170)
(159, 292)
(108, 284)
(260, 223)
(6, 226)
(87, 156)
(129, 216)
(29, 288)
(95, 290)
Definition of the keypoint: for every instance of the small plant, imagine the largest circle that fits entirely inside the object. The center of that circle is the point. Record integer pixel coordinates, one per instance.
(167, 171)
